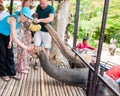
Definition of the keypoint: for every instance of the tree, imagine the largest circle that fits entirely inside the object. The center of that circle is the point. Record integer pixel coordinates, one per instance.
(61, 20)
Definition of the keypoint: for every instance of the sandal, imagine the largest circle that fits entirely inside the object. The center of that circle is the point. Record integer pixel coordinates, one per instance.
(28, 68)
(6, 78)
(25, 71)
(16, 77)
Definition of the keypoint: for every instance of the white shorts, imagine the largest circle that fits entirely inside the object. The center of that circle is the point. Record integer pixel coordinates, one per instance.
(42, 39)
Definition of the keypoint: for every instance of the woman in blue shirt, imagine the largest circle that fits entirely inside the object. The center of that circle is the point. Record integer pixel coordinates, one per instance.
(8, 27)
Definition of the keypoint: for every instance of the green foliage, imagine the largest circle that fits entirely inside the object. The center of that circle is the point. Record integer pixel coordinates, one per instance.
(92, 43)
(8, 5)
(91, 13)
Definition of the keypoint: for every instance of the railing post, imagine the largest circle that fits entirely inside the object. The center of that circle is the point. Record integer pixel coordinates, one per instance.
(100, 46)
(76, 22)
(89, 85)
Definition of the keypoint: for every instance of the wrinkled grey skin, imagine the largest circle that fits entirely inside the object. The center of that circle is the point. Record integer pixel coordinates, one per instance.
(77, 77)
(68, 76)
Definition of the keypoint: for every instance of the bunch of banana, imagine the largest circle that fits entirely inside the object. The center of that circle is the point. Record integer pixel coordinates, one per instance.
(34, 27)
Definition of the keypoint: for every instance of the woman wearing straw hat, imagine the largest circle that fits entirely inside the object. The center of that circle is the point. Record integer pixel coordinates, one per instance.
(11, 23)
(23, 56)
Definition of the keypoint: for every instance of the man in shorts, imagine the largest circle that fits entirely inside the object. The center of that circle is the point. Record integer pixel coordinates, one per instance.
(45, 15)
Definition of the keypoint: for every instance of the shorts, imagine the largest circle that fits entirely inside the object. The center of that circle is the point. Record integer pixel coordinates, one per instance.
(42, 39)
(84, 51)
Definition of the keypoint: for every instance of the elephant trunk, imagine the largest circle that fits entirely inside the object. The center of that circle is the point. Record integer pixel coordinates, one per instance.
(77, 77)
(69, 76)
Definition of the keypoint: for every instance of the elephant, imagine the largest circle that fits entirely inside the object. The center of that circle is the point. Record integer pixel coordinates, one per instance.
(113, 46)
(76, 77)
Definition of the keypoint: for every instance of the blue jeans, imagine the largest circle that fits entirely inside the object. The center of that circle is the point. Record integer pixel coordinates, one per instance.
(84, 51)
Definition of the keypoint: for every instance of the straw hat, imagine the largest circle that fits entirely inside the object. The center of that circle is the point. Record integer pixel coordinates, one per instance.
(27, 12)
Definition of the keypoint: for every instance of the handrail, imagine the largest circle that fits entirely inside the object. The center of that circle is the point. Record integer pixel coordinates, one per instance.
(115, 92)
(99, 76)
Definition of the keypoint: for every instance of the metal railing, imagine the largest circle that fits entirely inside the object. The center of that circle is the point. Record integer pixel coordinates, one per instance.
(99, 77)
(93, 81)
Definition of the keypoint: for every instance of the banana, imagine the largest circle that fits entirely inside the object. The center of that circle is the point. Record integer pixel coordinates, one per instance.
(30, 26)
(38, 27)
(34, 27)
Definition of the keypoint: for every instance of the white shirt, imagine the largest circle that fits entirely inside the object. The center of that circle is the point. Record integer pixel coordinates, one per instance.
(3, 14)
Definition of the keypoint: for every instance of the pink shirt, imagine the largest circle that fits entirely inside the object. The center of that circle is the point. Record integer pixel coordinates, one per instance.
(82, 46)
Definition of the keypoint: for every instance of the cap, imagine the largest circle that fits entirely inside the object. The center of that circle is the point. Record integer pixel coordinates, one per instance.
(85, 38)
(27, 12)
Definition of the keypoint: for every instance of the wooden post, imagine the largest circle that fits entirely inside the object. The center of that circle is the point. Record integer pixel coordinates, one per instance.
(76, 22)
(11, 6)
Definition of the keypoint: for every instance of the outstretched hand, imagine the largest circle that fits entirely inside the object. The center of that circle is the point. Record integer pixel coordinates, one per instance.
(30, 48)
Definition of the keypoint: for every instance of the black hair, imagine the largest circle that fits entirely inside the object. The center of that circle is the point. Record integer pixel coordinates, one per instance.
(85, 38)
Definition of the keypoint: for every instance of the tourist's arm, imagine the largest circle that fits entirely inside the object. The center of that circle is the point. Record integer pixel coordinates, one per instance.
(12, 22)
(45, 20)
(90, 47)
